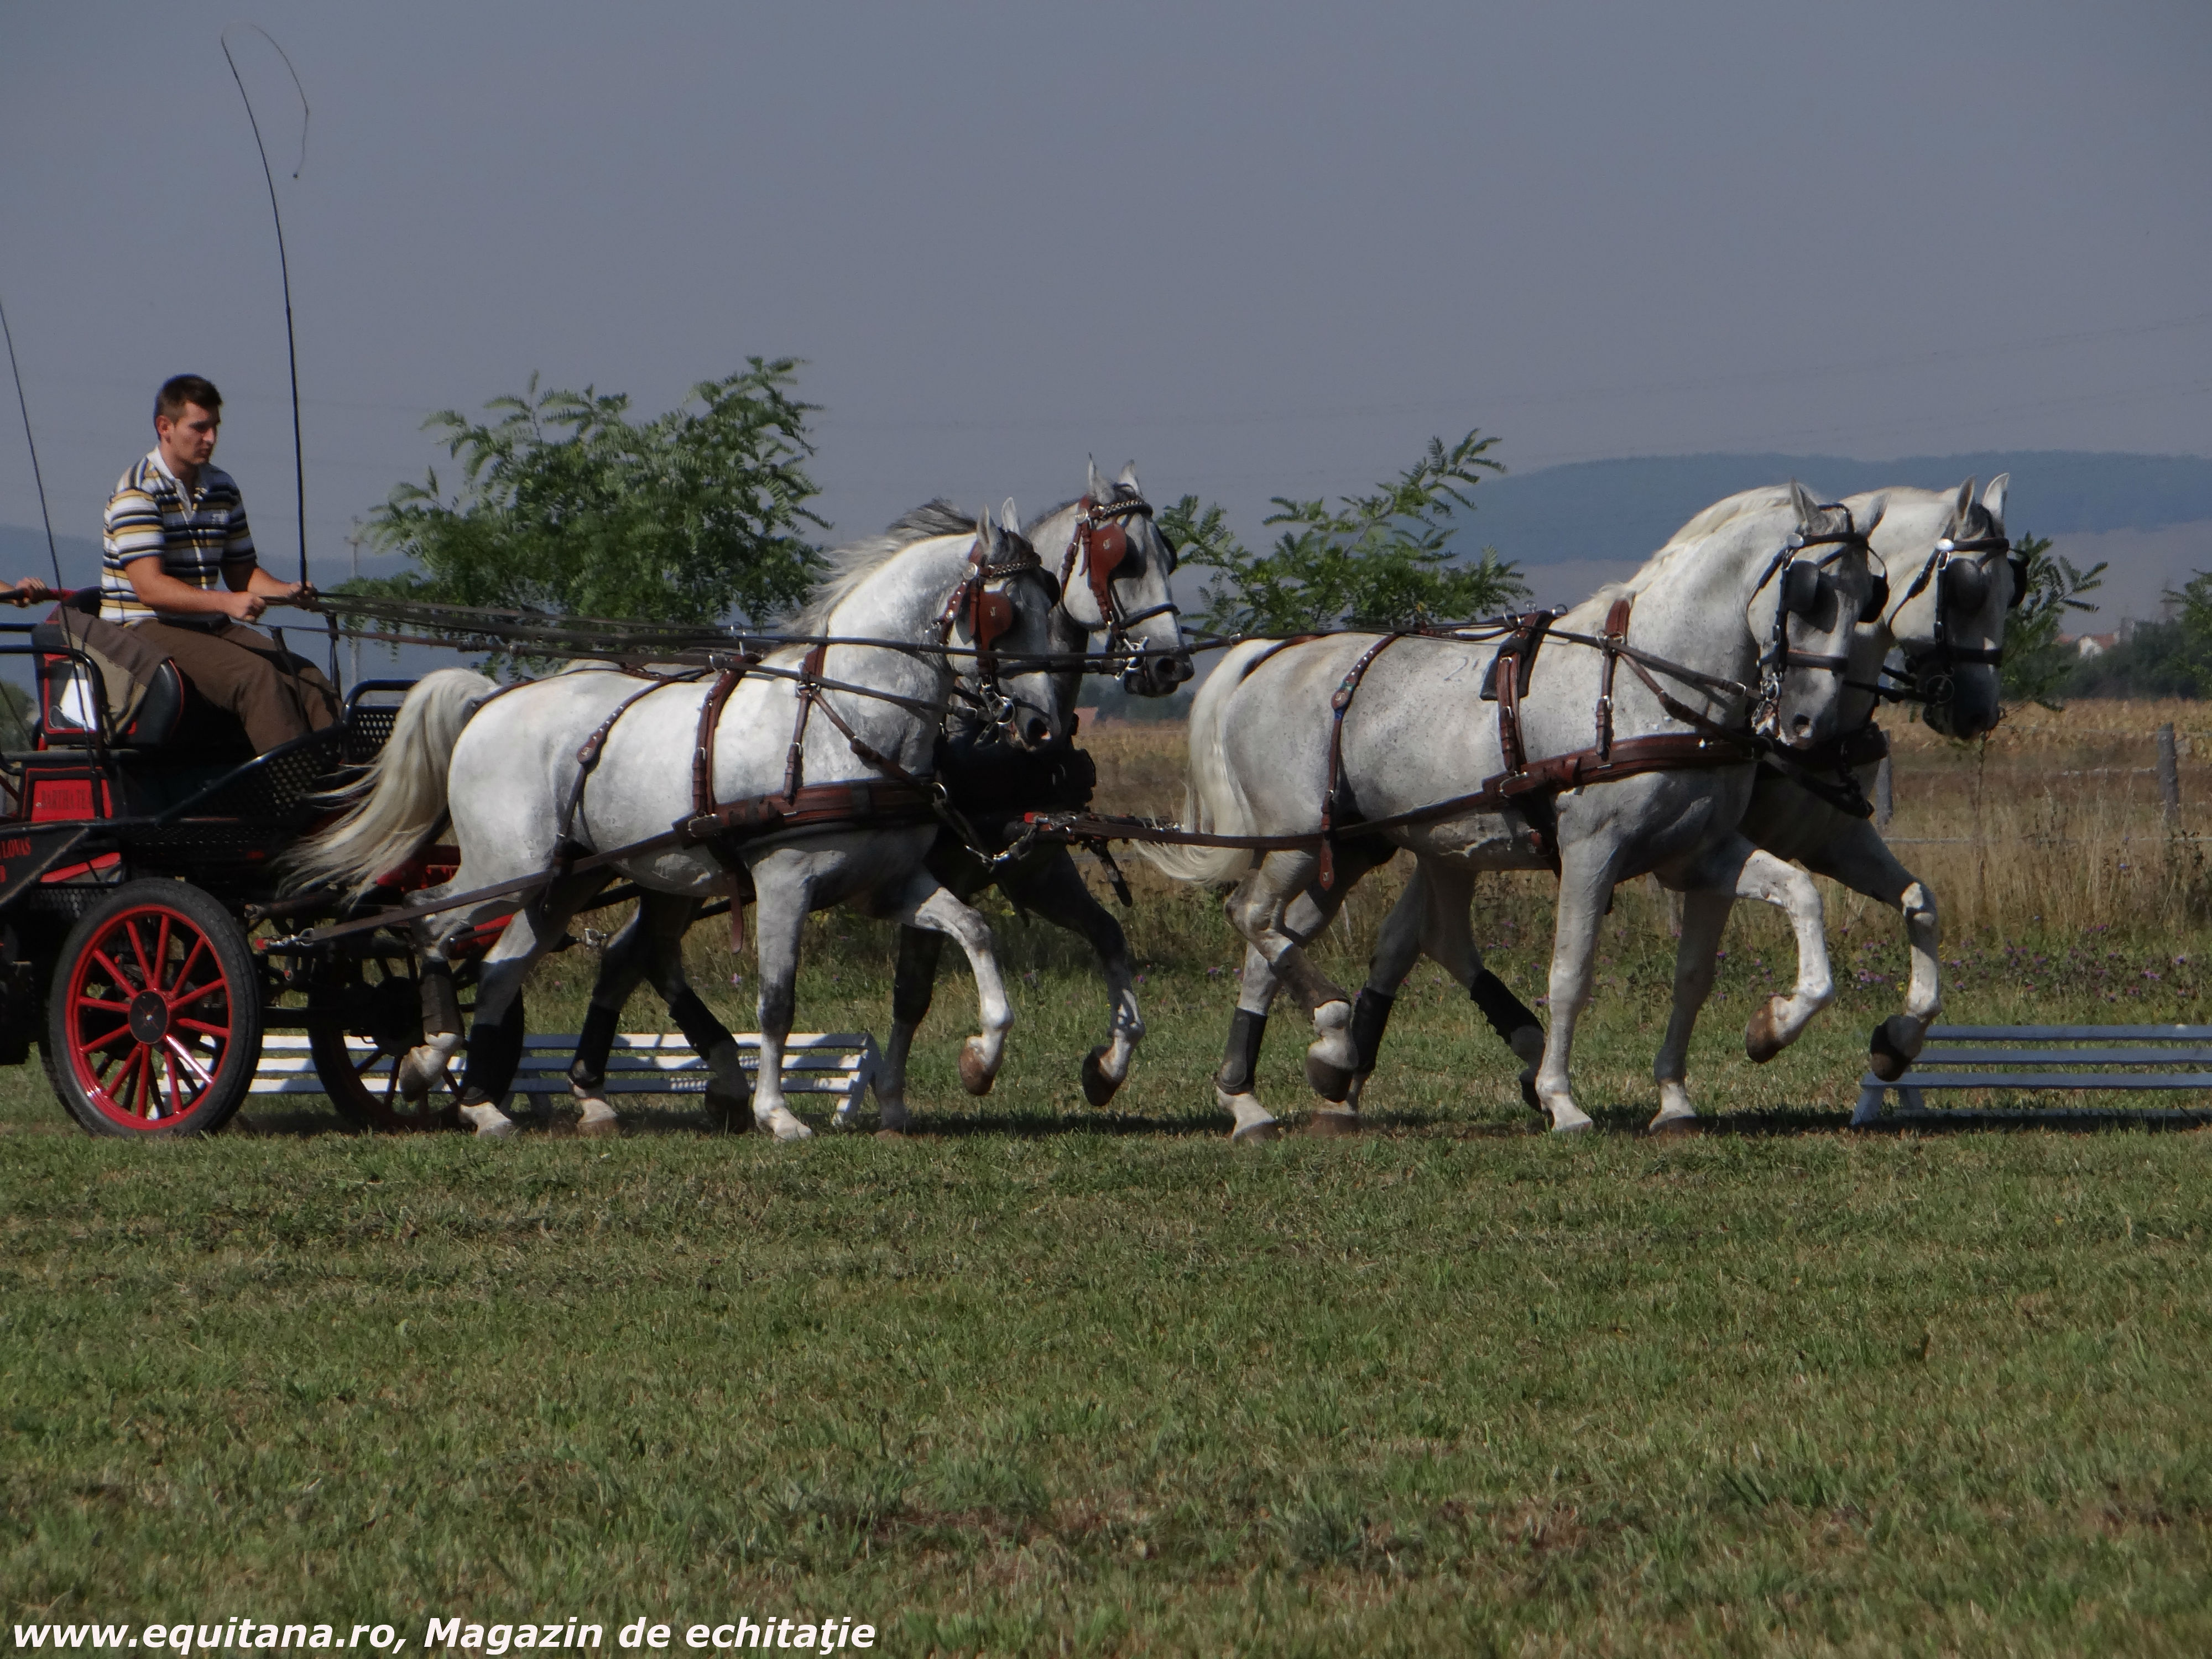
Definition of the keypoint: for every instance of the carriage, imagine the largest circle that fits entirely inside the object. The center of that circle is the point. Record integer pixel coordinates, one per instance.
(138, 840)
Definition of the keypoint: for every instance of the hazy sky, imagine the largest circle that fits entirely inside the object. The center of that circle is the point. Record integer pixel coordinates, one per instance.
(1262, 248)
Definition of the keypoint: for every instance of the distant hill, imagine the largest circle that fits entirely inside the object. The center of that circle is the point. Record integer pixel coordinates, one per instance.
(1623, 509)
(23, 553)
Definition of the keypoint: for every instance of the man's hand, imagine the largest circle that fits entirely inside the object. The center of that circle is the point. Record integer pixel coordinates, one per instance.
(29, 591)
(242, 607)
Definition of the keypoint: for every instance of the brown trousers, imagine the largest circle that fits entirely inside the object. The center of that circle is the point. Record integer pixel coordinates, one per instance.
(277, 695)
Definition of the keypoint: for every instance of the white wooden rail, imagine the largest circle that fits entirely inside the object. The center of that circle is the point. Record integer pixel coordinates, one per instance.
(839, 1063)
(2045, 1059)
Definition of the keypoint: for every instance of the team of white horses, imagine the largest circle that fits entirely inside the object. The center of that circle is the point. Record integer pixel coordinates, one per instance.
(1769, 612)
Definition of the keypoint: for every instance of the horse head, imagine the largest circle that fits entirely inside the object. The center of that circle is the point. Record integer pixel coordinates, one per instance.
(1949, 621)
(1115, 574)
(1003, 611)
(1809, 598)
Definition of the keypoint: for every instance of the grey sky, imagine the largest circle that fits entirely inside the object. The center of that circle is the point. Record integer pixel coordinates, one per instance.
(1262, 248)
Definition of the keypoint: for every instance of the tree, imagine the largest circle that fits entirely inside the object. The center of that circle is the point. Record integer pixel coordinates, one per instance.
(1381, 559)
(565, 505)
(2036, 665)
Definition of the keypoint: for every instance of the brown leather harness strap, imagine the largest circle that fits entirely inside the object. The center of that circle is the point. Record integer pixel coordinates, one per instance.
(794, 763)
(710, 721)
(588, 753)
(1337, 704)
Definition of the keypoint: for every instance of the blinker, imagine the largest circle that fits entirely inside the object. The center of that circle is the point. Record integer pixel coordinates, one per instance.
(1966, 585)
(991, 615)
(1800, 588)
(1877, 599)
(2017, 562)
(1110, 545)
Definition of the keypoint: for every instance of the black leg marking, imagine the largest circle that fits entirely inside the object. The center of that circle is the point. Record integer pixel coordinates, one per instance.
(1371, 1017)
(1506, 1013)
(1242, 1058)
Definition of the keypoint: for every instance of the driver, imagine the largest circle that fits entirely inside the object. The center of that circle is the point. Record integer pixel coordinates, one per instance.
(174, 525)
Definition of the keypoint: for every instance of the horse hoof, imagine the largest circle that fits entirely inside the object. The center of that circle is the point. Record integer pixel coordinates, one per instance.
(1333, 1126)
(1326, 1079)
(1884, 1058)
(1673, 1128)
(975, 1075)
(1761, 1041)
(600, 1129)
(734, 1112)
(891, 1134)
(1097, 1087)
(1256, 1134)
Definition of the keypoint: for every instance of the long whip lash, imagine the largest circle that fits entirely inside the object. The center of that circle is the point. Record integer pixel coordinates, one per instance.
(36, 477)
(283, 265)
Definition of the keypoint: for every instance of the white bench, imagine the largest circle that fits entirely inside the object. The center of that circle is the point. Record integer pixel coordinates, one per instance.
(2042, 1058)
(840, 1063)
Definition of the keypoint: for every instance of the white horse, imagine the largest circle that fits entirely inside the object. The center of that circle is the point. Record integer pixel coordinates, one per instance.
(1765, 595)
(1951, 581)
(600, 760)
(1114, 565)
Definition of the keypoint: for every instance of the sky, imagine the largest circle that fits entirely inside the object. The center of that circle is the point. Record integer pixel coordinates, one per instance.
(1262, 249)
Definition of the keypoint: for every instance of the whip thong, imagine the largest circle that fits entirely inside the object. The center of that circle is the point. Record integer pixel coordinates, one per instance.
(283, 265)
(36, 477)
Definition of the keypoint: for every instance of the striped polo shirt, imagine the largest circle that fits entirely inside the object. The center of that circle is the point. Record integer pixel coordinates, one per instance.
(195, 533)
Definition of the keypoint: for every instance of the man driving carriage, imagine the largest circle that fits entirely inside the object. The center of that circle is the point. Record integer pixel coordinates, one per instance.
(180, 571)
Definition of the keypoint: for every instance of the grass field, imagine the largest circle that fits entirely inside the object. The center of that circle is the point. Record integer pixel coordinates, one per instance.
(1051, 1379)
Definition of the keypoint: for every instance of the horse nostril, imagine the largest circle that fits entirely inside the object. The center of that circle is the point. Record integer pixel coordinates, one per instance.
(1801, 724)
(1038, 731)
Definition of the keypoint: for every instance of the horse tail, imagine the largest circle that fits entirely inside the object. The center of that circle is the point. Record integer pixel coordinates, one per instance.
(399, 798)
(1213, 801)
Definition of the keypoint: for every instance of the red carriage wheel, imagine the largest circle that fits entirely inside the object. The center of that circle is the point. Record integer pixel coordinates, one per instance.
(153, 1024)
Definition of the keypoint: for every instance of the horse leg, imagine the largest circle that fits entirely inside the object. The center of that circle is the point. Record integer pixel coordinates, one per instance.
(422, 1066)
(1233, 1084)
(782, 910)
(1857, 857)
(925, 903)
(914, 986)
(1256, 909)
(1585, 884)
(1736, 869)
(1704, 916)
(621, 966)
(1054, 888)
(729, 1095)
(496, 1038)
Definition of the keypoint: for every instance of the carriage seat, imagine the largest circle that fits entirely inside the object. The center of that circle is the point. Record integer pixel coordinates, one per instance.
(86, 665)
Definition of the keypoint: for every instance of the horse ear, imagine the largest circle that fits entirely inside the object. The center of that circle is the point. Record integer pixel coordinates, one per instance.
(986, 533)
(1993, 498)
(1009, 519)
(1098, 490)
(1874, 510)
(1959, 508)
(1808, 510)
(1129, 478)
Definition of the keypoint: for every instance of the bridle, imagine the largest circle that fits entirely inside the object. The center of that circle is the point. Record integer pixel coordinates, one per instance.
(987, 614)
(1801, 579)
(1958, 568)
(1101, 542)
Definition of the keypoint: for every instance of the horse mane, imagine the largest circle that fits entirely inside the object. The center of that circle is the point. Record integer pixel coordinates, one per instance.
(1707, 523)
(851, 565)
(1122, 493)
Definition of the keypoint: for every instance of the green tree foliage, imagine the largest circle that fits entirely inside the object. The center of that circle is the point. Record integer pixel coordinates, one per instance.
(2157, 659)
(2037, 667)
(1381, 559)
(566, 505)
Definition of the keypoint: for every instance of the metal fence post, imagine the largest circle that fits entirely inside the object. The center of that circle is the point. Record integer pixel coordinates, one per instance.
(2169, 774)
(1884, 794)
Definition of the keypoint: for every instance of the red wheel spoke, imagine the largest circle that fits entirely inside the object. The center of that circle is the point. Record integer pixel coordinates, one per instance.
(200, 995)
(133, 1081)
(116, 976)
(183, 973)
(162, 950)
(128, 928)
(92, 1045)
(222, 1033)
(178, 1052)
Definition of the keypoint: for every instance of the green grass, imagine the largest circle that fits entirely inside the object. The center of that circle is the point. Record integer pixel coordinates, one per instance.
(1051, 1379)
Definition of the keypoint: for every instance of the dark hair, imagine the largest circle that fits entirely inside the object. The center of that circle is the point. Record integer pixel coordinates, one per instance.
(181, 389)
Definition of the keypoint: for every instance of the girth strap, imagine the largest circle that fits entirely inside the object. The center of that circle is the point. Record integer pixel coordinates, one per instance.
(587, 759)
(710, 721)
(1339, 701)
(794, 763)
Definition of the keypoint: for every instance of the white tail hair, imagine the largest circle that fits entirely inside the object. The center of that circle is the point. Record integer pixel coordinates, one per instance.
(398, 801)
(1213, 803)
